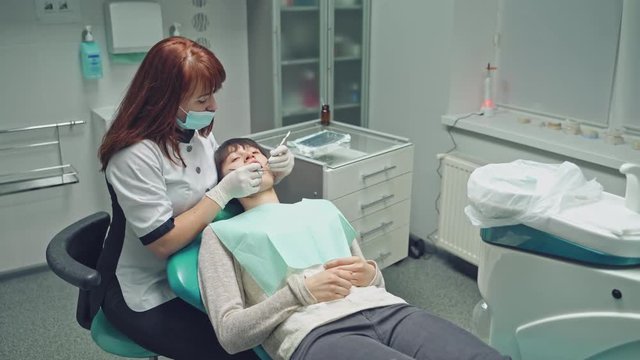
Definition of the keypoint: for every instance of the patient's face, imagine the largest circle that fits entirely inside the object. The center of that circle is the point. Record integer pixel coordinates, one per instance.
(245, 155)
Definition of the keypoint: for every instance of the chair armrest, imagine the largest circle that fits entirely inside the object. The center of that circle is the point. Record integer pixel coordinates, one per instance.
(92, 229)
(72, 271)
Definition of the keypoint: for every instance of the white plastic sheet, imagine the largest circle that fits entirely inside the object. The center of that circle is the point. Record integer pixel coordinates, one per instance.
(525, 191)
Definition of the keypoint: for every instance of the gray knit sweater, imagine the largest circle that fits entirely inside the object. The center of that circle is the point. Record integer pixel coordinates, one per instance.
(243, 316)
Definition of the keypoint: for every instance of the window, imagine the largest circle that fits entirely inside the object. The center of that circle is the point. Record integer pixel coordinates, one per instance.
(626, 105)
(559, 57)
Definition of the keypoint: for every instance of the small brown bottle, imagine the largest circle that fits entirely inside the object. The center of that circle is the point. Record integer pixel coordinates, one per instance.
(325, 115)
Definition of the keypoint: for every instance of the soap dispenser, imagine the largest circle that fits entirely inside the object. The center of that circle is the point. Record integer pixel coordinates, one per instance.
(632, 196)
(90, 57)
(174, 29)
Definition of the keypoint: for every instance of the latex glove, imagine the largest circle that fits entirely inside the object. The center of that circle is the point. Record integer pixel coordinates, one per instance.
(328, 285)
(361, 271)
(239, 183)
(280, 162)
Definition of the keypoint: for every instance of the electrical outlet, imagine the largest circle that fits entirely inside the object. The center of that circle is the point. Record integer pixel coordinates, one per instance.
(58, 11)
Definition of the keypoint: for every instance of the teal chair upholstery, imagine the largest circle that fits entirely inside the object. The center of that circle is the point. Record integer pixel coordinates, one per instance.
(113, 341)
(182, 270)
(72, 254)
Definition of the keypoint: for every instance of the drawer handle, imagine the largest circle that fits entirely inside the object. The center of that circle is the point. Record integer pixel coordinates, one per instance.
(385, 170)
(382, 256)
(376, 202)
(382, 226)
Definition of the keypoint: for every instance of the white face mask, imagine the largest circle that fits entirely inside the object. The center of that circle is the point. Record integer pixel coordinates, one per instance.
(196, 120)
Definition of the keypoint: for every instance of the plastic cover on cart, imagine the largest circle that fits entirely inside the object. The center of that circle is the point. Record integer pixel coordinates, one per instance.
(525, 191)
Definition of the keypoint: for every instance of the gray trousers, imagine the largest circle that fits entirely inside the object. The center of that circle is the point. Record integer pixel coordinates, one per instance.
(393, 332)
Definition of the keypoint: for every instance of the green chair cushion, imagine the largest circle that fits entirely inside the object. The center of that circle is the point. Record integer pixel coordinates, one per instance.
(182, 270)
(113, 341)
(259, 350)
(182, 267)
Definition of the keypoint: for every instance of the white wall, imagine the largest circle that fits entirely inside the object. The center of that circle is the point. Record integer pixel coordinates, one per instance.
(410, 55)
(42, 84)
(475, 24)
(428, 59)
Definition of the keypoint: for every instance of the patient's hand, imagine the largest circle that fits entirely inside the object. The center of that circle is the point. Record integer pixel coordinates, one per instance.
(329, 285)
(361, 272)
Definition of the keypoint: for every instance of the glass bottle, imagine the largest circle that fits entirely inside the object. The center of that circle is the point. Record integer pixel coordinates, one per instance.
(325, 115)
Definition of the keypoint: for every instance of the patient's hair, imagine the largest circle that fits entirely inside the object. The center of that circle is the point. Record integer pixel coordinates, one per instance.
(230, 146)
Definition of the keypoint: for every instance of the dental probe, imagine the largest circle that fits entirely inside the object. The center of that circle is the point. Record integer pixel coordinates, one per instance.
(285, 138)
(281, 143)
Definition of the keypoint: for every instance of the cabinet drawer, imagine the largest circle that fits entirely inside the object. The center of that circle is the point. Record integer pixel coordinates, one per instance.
(382, 221)
(374, 198)
(388, 248)
(353, 177)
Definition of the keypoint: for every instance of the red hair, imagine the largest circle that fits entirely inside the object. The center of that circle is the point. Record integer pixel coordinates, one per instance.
(171, 71)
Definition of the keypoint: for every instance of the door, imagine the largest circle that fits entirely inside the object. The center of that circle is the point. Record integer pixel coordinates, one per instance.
(301, 60)
(348, 66)
(321, 56)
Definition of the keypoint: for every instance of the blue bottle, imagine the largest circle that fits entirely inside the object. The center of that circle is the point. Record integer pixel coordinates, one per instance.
(90, 57)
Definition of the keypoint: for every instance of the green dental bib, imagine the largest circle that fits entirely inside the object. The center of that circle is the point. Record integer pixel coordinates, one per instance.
(272, 240)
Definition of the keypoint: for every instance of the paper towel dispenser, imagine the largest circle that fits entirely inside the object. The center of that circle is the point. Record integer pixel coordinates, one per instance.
(132, 26)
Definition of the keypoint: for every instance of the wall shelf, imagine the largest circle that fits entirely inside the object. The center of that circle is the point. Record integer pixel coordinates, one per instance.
(300, 111)
(348, 7)
(347, 58)
(346, 106)
(300, 61)
(296, 8)
(38, 178)
(506, 125)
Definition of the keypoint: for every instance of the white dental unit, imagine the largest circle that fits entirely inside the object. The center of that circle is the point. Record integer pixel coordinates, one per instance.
(567, 287)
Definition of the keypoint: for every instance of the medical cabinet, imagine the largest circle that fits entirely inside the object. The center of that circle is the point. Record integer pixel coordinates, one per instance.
(305, 53)
(368, 179)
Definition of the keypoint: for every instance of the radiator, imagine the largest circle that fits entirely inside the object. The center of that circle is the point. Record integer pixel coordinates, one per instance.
(455, 232)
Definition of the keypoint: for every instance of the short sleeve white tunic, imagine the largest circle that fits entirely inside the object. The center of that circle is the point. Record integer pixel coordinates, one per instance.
(152, 190)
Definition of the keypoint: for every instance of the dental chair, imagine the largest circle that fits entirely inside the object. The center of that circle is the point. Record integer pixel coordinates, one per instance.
(568, 287)
(182, 270)
(72, 254)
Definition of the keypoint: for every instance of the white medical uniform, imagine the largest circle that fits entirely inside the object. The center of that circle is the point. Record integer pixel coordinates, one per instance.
(152, 190)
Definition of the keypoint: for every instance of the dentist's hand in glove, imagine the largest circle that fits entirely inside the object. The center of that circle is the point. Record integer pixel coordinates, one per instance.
(239, 183)
(281, 162)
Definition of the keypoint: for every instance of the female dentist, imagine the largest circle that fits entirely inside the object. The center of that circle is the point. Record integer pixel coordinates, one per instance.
(158, 160)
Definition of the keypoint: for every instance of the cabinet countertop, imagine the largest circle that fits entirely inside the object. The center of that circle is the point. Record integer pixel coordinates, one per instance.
(364, 143)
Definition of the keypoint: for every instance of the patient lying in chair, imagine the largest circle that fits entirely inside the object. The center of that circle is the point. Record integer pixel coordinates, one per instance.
(292, 278)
